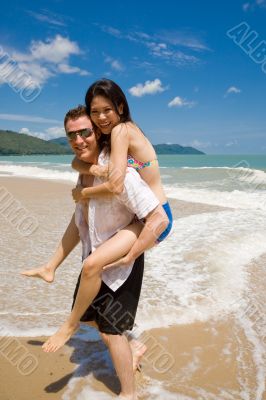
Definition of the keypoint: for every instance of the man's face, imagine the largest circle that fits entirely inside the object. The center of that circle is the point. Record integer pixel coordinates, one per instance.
(86, 149)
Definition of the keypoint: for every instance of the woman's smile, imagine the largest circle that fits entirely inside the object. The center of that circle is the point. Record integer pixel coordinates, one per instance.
(103, 114)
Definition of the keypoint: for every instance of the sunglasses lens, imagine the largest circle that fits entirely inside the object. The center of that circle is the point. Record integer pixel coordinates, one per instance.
(71, 135)
(84, 133)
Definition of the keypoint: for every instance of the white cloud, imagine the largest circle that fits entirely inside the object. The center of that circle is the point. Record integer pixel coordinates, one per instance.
(38, 73)
(47, 16)
(232, 89)
(251, 5)
(111, 31)
(115, 64)
(149, 87)
(55, 131)
(165, 45)
(180, 102)
(199, 144)
(177, 57)
(47, 134)
(183, 38)
(246, 6)
(25, 130)
(44, 60)
(54, 50)
(232, 143)
(68, 69)
(158, 48)
(18, 75)
(143, 35)
(28, 118)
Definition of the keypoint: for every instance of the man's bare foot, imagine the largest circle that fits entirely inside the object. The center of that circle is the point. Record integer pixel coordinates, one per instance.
(138, 349)
(42, 272)
(59, 338)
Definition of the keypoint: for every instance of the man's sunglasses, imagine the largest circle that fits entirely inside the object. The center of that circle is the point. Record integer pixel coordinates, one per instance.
(84, 133)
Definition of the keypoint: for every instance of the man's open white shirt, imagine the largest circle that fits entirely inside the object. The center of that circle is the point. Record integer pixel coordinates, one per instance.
(107, 216)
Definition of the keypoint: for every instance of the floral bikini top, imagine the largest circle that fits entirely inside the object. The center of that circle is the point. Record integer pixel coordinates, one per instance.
(138, 165)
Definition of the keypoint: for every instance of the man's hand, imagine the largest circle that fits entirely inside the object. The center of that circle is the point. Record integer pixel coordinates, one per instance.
(100, 171)
(77, 193)
(122, 262)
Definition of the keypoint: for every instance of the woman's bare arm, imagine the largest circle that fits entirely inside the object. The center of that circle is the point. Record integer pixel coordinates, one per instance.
(117, 168)
(118, 157)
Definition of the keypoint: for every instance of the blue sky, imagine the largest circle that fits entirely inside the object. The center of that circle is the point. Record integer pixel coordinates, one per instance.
(186, 79)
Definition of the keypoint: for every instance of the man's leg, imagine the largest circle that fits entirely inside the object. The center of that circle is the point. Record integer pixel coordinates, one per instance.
(121, 354)
(138, 350)
(114, 313)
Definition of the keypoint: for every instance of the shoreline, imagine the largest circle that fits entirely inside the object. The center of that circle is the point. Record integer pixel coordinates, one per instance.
(180, 208)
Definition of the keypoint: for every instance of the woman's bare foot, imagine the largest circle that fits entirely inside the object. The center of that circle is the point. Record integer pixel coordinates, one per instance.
(59, 338)
(42, 272)
(138, 349)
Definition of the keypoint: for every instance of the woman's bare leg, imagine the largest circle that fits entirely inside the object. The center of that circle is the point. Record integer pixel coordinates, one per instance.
(90, 282)
(44, 272)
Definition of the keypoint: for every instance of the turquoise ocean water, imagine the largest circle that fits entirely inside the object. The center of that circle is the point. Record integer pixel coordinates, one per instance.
(175, 161)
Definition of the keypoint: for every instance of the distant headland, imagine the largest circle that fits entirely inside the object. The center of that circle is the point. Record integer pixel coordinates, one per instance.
(14, 143)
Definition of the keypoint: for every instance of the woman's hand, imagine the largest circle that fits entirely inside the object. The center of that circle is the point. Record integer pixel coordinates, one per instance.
(122, 262)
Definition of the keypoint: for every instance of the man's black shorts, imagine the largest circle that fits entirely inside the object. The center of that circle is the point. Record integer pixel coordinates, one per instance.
(114, 312)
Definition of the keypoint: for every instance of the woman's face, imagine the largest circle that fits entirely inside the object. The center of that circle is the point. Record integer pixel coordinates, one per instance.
(104, 115)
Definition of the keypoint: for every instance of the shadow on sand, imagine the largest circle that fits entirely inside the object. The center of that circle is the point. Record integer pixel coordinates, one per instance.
(91, 357)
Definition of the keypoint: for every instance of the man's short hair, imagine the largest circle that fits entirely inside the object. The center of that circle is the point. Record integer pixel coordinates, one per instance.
(75, 113)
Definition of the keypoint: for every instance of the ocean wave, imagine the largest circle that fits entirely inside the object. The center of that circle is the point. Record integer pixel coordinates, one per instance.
(200, 271)
(38, 172)
(251, 176)
(235, 199)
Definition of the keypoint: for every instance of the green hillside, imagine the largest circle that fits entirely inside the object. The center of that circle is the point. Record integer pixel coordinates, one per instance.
(63, 141)
(175, 149)
(21, 144)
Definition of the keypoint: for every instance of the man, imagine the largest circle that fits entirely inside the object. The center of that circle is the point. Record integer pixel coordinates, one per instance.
(114, 308)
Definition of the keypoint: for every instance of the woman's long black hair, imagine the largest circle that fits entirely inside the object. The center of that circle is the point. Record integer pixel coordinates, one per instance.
(111, 91)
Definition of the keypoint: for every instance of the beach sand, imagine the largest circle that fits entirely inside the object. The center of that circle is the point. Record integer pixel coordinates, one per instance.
(189, 357)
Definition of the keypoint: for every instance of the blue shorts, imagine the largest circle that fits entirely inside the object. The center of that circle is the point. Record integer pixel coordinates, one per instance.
(166, 232)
